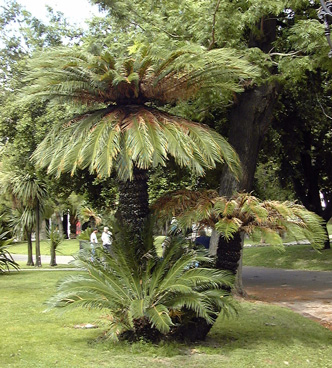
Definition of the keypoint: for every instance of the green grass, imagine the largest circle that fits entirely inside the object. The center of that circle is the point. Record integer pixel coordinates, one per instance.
(262, 336)
(286, 239)
(297, 257)
(66, 248)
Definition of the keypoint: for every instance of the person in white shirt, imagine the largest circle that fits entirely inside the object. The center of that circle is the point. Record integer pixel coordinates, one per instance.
(93, 241)
(106, 238)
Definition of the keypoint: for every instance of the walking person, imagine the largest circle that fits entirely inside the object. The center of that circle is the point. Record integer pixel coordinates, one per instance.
(93, 241)
(106, 238)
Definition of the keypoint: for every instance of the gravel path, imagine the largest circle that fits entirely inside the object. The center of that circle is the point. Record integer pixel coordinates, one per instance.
(305, 292)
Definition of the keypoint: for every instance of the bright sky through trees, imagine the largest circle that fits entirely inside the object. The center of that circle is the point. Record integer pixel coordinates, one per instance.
(76, 11)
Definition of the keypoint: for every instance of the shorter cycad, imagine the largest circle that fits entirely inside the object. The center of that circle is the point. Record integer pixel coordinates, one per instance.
(262, 220)
(6, 259)
(147, 297)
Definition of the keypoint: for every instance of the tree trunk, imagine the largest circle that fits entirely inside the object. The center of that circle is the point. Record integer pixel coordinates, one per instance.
(53, 256)
(327, 244)
(249, 120)
(133, 210)
(59, 221)
(38, 257)
(65, 224)
(30, 256)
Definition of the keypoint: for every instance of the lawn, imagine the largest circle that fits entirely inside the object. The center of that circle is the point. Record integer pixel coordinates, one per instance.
(297, 257)
(66, 248)
(262, 336)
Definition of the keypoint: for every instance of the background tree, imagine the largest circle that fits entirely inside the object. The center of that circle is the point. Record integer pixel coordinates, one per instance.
(303, 144)
(283, 37)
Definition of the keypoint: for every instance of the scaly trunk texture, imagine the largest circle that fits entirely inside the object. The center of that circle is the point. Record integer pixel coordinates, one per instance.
(38, 257)
(133, 210)
(30, 256)
(249, 120)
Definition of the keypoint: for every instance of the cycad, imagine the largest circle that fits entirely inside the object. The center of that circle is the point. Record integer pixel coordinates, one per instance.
(6, 259)
(146, 302)
(122, 130)
(243, 213)
(265, 220)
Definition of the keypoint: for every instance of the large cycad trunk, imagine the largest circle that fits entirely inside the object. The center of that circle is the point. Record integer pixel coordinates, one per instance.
(249, 120)
(133, 210)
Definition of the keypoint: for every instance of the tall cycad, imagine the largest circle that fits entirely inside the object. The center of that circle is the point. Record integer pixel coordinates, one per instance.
(122, 130)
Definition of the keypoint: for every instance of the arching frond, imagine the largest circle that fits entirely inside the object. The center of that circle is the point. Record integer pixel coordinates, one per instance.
(118, 137)
(123, 130)
(135, 295)
(242, 213)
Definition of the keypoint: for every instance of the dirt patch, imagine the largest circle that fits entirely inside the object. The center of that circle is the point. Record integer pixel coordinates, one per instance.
(315, 305)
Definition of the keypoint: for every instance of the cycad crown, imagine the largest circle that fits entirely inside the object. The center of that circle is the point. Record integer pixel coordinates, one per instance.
(123, 128)
(263, 220)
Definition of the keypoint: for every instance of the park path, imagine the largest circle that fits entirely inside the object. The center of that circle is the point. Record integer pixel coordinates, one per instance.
(306, 292)
(44, 259)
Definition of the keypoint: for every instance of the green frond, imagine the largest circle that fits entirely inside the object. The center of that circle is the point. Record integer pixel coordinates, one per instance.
(144, 136)
(132, 293)
(264, 220)
(159, 317)
(228, 226)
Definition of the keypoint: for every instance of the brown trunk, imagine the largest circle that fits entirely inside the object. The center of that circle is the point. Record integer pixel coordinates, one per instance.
(133, 210)
(249, 120)
(327, 244)
(53, 256)
(30, 256)
(38, 257)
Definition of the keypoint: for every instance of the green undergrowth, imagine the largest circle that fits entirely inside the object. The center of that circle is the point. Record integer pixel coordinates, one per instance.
(261, 336)
(296, 257)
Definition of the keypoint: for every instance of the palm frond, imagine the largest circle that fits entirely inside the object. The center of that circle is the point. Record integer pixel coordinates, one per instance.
(133, 294)
(242, 213)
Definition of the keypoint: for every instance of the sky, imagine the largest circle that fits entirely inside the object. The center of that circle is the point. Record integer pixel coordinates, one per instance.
(76, 11)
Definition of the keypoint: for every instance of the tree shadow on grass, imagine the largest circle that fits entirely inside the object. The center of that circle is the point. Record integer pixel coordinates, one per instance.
(260, 324)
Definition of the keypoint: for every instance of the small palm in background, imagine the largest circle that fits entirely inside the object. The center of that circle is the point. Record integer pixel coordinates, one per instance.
(55, 239)
(6, 260)
(152, 301)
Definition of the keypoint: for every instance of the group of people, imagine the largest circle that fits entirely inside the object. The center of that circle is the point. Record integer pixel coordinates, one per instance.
(106, 238)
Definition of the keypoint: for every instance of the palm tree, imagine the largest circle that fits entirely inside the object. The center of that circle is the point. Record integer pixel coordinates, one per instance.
(121, 128)
(24, 219)
(238, 215)
(27, 193)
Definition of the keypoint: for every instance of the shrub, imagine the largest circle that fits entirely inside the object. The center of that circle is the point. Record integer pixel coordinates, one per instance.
(6, 260)
(152, 297)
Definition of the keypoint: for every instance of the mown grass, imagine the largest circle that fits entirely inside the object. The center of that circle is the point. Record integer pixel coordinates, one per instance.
(262, 336)
(297, 257)
(66, 248)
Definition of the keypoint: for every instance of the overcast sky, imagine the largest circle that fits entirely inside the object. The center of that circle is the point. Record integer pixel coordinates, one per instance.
(76, 11)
